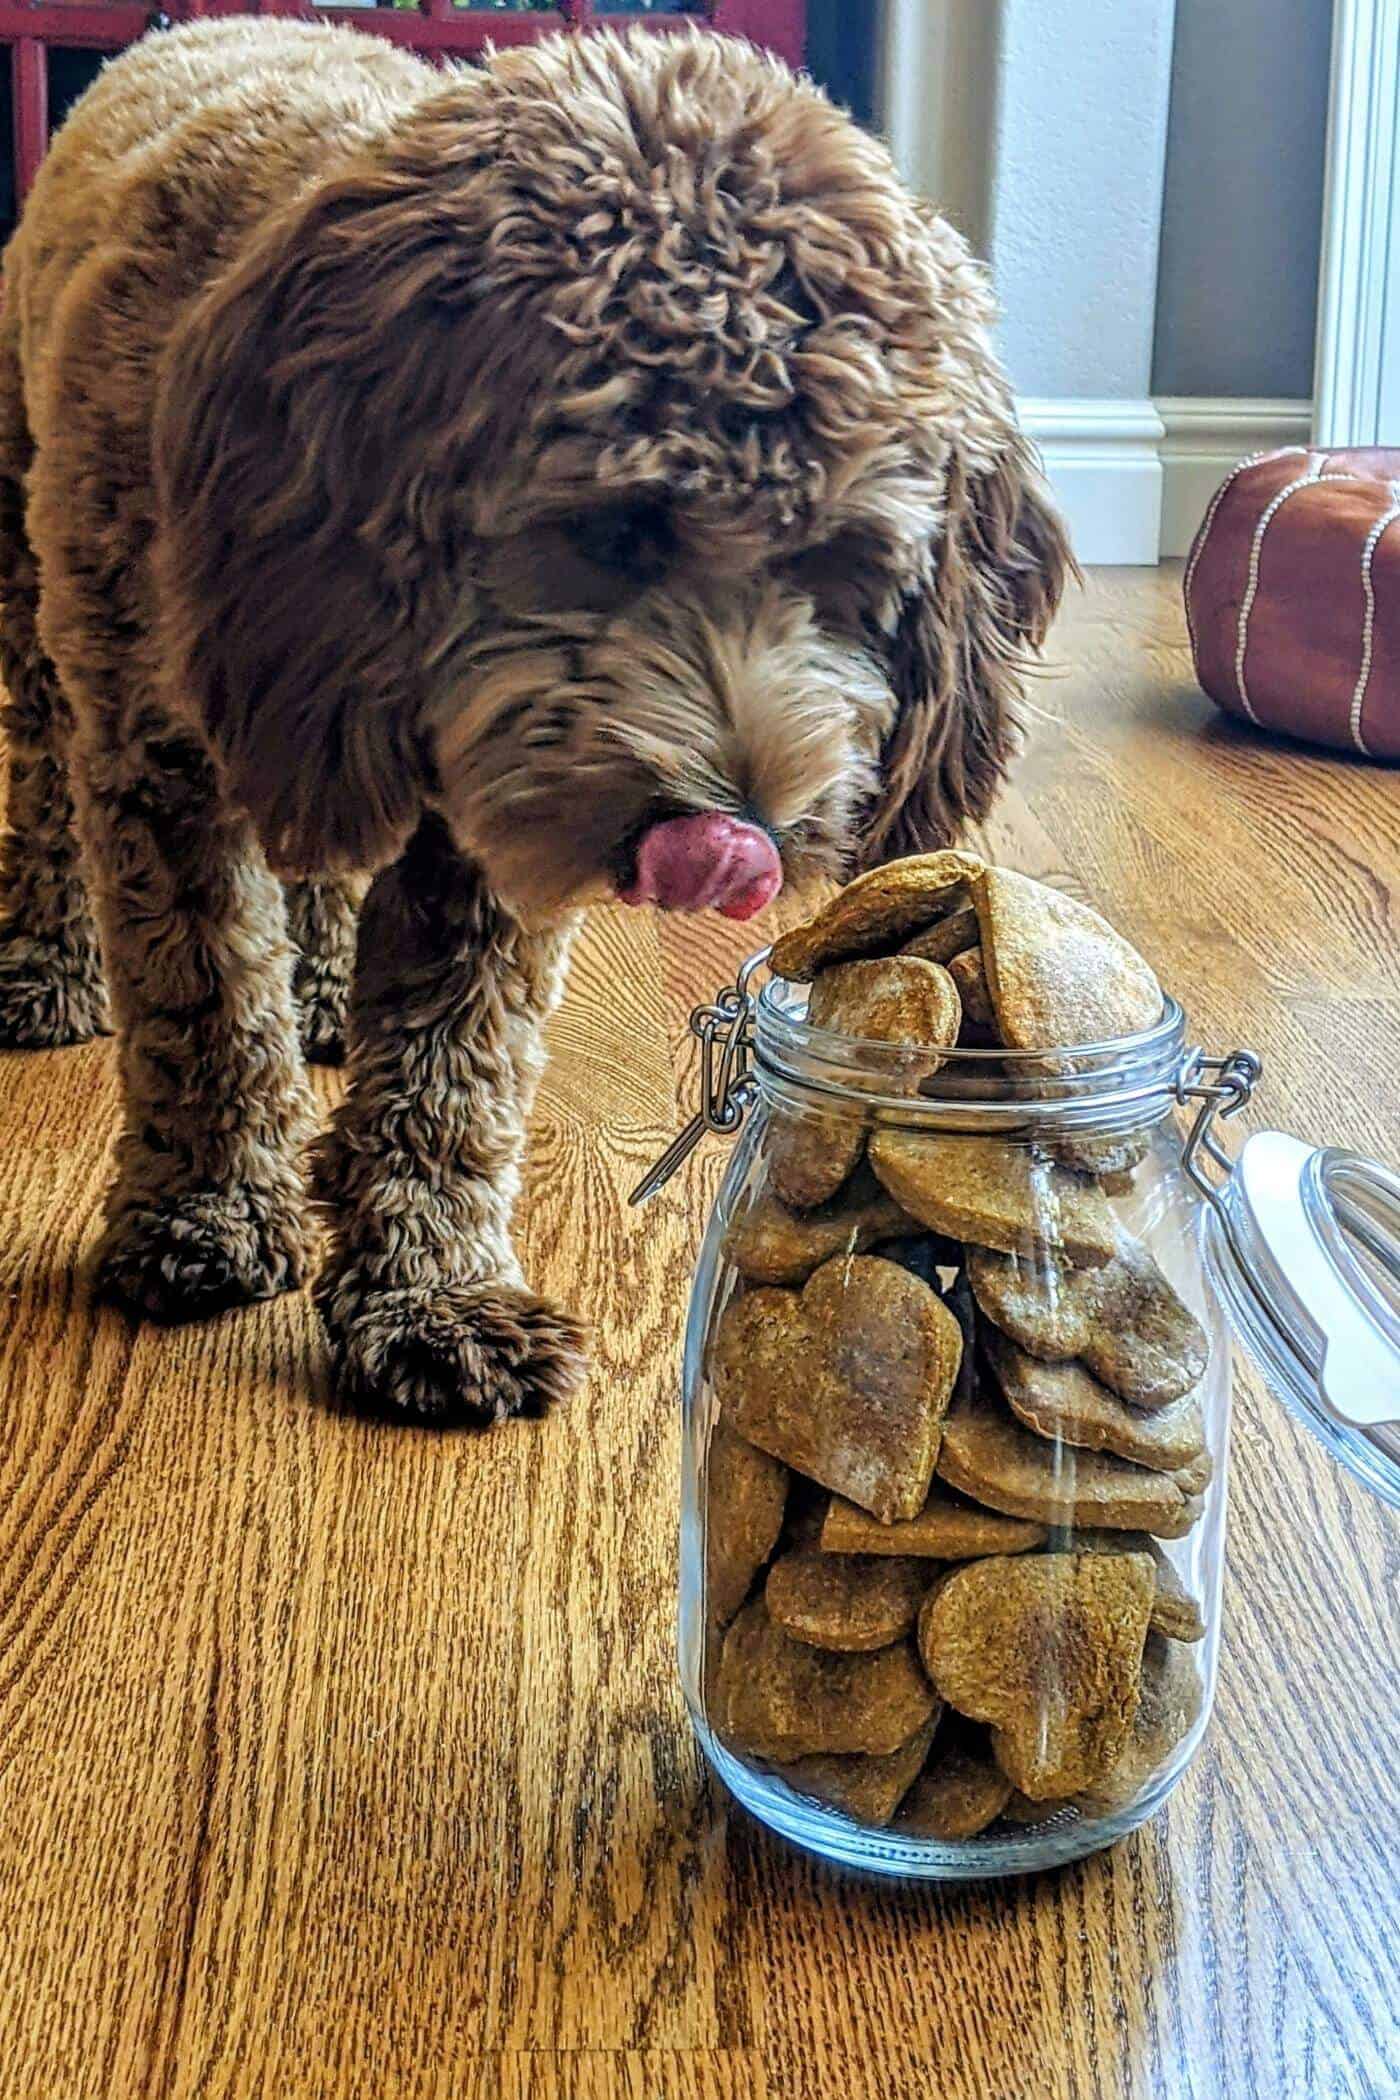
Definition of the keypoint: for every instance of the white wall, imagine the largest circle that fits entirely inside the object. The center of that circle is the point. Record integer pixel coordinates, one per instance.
(1072, 232)
(1072, 226)
(1007, 113)
(1145, 177)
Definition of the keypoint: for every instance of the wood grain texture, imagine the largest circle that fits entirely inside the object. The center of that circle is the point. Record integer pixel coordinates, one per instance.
(350, 1763)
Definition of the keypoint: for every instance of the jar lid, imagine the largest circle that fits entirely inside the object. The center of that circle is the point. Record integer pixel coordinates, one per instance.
(1303, 1248)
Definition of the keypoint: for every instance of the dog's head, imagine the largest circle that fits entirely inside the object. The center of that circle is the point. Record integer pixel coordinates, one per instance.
(614, 460)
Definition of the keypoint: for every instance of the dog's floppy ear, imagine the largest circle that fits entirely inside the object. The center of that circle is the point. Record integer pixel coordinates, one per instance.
(315, 405)
(959, 655)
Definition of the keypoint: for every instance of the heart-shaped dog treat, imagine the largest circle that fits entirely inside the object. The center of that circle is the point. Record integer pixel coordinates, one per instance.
(848, 1381)
(846, 1602)
(867, 1789)
(947, 937)
(1123, 1320)
(746, 1492)
(890, 999)
(1168, 1708)
(777, 1697)
(810, 1156)
(1174, 1610)
(772, 1244)
(875, 913)
(946, 1528)
(1058, 973)
(993, 1194)
(991, 1457)
(963, 1789)
(1065, 1401)
(1048, 1651)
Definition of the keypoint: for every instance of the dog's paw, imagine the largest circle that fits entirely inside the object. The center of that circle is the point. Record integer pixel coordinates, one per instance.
(322, 995)
(48, 998)
(449, 1353)
(188, 1256)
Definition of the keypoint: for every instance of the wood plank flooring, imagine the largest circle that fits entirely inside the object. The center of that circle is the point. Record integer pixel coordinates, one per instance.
(340, 1762)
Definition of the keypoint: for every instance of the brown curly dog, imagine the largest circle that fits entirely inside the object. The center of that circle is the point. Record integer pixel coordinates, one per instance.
(581, 475)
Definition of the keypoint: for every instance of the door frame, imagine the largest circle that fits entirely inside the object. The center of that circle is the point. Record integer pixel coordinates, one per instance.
(1358, 313)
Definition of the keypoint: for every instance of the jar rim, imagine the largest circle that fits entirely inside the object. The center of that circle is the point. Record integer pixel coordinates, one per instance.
(1168, 1029)
(1120, 1083)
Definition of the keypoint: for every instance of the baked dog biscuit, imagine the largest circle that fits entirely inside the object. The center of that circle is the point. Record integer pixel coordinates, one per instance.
(1019, 1809)
(772, 1244)
(867, 1789)
(1174, 1610)
(1168, 1708)
(1123, 1319)
(1048, 1652)
(1111, 1160)
(979, 1029)
(847, 1381)
(1196, 1475)
(1059, 974)
(989, 1193)
(781, 1698)
(987, 1454)
(894, 999)
(875, 913)
(947, 936)
(846, 1602)
(1065, 1401)
(745, 1495)
(946, 1528)
(963, 1788)
(809, 1157)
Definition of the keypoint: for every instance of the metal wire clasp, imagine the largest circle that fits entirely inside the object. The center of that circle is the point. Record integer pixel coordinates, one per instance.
(1222, 1086)
(724, 1031)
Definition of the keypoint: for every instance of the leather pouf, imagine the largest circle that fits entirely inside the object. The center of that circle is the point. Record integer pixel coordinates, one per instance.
(1293, 597)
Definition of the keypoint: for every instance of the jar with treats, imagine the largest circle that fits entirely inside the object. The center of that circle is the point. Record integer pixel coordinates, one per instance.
(957, 1371)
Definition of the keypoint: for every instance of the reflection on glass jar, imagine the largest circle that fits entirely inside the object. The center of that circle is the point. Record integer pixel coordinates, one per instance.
(956, 1418)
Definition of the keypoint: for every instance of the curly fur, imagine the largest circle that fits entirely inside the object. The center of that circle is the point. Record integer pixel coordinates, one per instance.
(446, 476)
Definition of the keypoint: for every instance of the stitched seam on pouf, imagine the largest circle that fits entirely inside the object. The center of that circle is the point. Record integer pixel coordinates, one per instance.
(1368, 555)
(1256, 459)
(1311, 480)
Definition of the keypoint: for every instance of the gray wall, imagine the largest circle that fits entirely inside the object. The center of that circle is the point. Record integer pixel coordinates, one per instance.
(1237, 284)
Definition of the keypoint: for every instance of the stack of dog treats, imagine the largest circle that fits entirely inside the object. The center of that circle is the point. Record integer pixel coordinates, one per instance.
(956, 1399)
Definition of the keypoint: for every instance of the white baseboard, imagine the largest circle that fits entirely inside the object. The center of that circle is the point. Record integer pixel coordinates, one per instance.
(1133, 478)
(1205, 437)
(1102, 460)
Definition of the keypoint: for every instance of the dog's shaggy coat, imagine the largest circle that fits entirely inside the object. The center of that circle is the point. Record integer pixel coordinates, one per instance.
(445, 478)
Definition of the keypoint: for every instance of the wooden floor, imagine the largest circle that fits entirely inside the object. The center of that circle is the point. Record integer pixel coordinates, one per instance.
(339, 1760)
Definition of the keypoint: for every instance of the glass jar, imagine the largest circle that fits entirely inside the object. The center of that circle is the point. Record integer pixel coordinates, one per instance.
(956, 1421)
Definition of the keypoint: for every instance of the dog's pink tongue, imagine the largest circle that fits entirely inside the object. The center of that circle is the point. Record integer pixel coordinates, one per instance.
(706, 863)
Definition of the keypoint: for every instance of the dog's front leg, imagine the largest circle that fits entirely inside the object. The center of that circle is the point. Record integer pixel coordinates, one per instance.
(422, 1298)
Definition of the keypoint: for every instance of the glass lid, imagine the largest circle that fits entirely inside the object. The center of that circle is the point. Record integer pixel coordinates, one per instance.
(1302, 1245)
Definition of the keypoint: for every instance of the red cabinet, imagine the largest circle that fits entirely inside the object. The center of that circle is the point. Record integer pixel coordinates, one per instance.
(438, 28)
